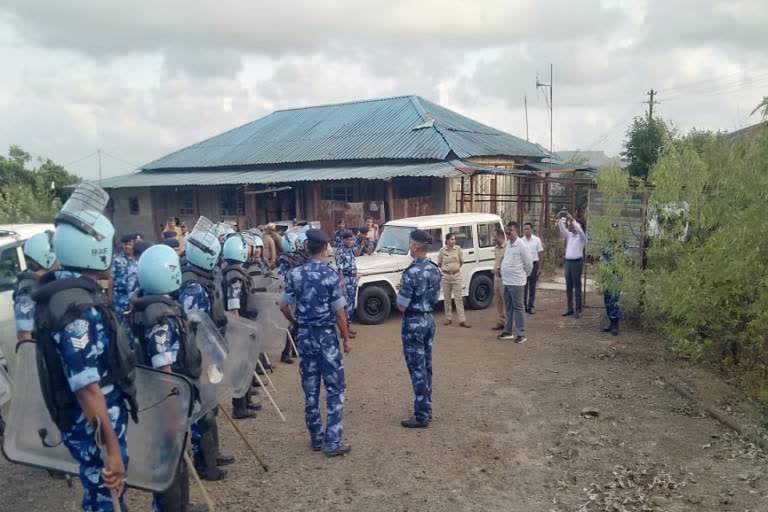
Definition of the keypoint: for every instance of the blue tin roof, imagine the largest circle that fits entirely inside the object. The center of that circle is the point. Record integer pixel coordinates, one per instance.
(400, 128)
(268, 176)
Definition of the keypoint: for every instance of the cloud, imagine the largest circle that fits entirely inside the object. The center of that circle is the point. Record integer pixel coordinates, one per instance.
(141, 80)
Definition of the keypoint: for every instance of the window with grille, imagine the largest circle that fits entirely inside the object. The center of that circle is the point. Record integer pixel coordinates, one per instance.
(231, 202)
(186, 202)
(338, 192)
(133, 205)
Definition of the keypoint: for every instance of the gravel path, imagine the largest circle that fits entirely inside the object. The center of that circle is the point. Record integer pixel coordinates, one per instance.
(508, 432)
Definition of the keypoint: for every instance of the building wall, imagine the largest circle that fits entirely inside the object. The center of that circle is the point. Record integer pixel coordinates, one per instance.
(127, 221)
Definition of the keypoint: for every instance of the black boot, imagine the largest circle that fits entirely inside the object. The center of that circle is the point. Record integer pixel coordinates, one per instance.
(240, 409)
(221, 459)
(615, 327)
(608, 327)
(210, 455)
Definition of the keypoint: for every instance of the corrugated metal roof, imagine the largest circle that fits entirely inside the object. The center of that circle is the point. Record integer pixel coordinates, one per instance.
(268, 176)
(400, 128)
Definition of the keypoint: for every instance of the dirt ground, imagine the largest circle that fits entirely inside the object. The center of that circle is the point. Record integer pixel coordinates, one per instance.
(508, 431)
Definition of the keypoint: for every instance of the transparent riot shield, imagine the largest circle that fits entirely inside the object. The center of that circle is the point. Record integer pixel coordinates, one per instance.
(5, 387)
(82, 208)
(271, 321)
(215, 384)
(155, 443)
(243, 337)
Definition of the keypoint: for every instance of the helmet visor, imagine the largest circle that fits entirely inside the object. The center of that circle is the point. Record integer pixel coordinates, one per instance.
(83, 208)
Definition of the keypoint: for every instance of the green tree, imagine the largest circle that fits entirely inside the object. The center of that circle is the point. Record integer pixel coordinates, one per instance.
(31, 195)
(645, 142)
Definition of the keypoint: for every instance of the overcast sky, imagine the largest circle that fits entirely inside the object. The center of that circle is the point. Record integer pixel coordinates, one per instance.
(139, 81)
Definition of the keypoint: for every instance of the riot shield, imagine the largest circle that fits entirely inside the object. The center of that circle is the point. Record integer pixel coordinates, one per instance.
(223, 372)
(243, 337)
(155, 443)
(5, 387)
(271, 322)
(8, 339)
(82, 208)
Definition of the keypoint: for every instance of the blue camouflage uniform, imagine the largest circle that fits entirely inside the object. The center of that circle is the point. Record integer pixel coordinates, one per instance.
(83, 346)
(193, 297)
(24, 311)
(338, 239)
(313, 289)
(368, 245)
(124, 283)
(611, 296)
(161, 343)
(346, 264)
(419, 289)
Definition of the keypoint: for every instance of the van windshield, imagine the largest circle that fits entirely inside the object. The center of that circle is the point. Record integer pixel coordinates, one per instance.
(394, 240)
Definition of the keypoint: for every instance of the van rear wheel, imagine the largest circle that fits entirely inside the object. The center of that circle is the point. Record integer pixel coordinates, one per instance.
(480, 292)
(374, 305)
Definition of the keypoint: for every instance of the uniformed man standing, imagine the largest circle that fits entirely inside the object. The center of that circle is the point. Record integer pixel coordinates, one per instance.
(419, 290)
(87, 356)
(346, 264)
(124, 282)
(314, 290)
(160, 328)
(201, 291)
(236, 288)
(39, 257)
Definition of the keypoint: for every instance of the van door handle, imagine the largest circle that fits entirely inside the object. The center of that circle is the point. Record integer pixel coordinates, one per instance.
(471, 252)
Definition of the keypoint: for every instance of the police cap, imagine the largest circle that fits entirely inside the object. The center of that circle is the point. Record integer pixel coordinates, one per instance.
(127, 238)
(169, 234)
(421, 236)
(140, 246)
(317, 236)
(347, 233)
(171, 242)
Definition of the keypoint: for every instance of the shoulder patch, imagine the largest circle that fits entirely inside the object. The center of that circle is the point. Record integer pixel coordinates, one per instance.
(77, 328)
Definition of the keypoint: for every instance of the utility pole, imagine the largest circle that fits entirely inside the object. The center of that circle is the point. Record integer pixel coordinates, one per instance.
(99, 153)
(551, 106)
(525, 102)
(651, 102)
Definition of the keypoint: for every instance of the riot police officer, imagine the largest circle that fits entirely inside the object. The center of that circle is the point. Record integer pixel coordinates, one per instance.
(201, 291)
(237, 287)
(294, 255)
(313, 289)
(38, 254)
(419, 290)
(88, 377)
(161, 331)
(346, 264)
(124, 283)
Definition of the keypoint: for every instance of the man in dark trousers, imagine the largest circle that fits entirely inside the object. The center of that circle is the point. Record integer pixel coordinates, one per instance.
(575, 240)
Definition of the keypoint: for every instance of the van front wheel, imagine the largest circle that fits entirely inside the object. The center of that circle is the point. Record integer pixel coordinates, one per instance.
(480, 292)
(373, 305)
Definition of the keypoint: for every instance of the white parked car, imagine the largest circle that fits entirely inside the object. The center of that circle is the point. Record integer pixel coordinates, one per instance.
(12, 238)
(379, 274)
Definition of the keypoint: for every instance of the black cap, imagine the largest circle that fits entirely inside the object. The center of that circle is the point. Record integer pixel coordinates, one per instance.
(171, 242)
(140, 246)
(363, 230)
(127, 238)
(347, 233)
(169, 234)
(421, 236)
(317, 236)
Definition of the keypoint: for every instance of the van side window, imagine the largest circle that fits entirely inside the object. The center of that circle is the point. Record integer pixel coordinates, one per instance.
(9, 268)
(437, 239)
(485, 234)
(463, 236)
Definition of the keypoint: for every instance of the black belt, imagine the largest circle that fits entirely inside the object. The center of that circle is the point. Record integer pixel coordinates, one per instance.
(577, 259)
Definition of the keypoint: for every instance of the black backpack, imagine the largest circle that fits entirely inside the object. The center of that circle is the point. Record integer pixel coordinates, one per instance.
(150, 310)
(212, 286)
(26, 282)
(58, 303)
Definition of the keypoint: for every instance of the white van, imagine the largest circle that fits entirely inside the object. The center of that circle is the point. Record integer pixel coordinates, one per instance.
(379, 274)
(12, 238)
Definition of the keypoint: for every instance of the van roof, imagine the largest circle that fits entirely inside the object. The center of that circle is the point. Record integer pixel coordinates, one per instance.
(12, 232)
(445, 220)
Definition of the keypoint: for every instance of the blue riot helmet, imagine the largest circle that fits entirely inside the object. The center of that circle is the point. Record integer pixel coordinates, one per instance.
(159, 270)
(202, 245)
(289, 242)
(257, 241)
(84, 236)
(235, 249)
(40, 250)
(77, 249)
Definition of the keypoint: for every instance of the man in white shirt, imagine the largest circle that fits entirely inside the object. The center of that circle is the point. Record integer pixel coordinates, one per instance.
(575, 240)
(536, 249)
(515, 268)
